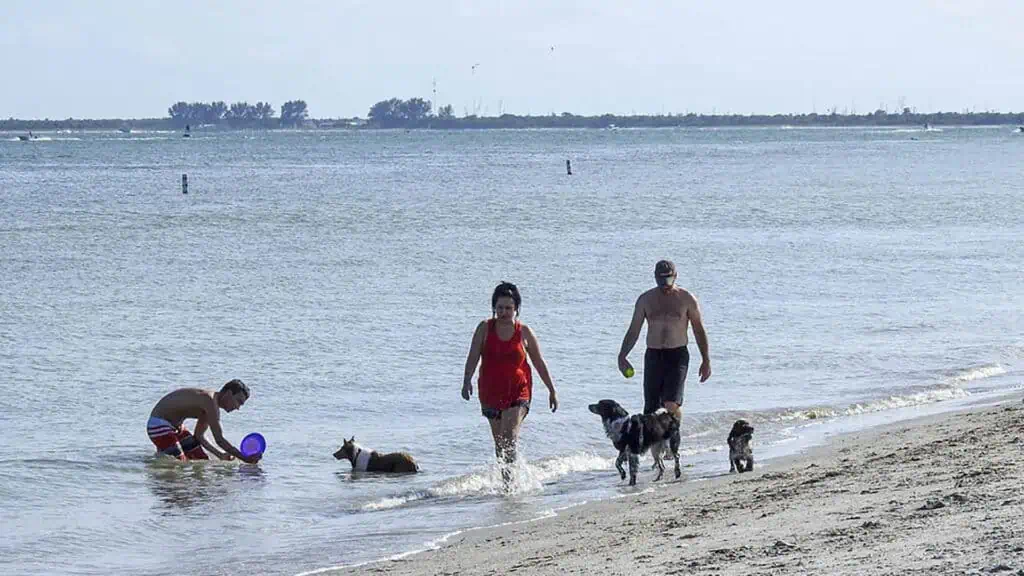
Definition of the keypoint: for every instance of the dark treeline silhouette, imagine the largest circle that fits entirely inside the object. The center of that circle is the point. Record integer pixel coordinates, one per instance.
(416, 113)
(237, 115)
(395, 113)
(294, 113)
(419, 113)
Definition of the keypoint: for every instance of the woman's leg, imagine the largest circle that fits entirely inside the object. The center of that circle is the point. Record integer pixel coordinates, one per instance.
(508, 438)
(501, 450)
(495, 424)
(511, 422)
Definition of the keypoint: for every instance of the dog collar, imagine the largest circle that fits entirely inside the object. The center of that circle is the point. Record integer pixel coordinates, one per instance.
(618, 427)
(362, 459)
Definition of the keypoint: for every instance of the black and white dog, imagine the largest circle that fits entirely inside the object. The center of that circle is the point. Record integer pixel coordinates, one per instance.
(741, 457)
(634, 435)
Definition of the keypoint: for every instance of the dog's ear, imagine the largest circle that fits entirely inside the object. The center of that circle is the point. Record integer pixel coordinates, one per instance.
(616, 409)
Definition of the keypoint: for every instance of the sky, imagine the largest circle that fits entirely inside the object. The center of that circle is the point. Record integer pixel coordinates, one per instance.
(134, 58)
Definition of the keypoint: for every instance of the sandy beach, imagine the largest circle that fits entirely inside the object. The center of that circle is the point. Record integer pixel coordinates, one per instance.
(936, 495)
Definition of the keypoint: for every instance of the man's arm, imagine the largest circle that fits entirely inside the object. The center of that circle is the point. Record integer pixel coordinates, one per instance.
(632, 334)
(693, 313)
(213, 420)
(200, 434)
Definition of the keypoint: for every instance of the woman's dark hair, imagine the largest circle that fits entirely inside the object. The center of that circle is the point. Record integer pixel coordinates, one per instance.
(506, 289)
(235, 386)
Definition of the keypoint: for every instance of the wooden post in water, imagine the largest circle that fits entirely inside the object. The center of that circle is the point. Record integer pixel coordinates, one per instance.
(568, 167)
(184, 183)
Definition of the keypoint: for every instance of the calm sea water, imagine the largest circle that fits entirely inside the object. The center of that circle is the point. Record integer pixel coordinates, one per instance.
(842, 273)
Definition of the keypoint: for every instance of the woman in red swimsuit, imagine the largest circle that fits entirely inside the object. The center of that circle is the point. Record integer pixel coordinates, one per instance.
(506, 380)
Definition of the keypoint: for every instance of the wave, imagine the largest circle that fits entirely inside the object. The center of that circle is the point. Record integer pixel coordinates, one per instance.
(527, 477)
(978, 373)
(904, 401)
(901, 328)
(431, 545)
(47, 139)
(903, 130)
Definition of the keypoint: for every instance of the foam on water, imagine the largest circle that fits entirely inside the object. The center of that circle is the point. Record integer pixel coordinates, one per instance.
(528, 477)
(877, 405)
(979, 373)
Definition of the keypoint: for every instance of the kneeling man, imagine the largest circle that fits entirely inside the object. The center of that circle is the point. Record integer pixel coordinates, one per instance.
(166, 422)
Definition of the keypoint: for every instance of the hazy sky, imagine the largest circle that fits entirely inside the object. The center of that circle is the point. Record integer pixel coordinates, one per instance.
(133, 58)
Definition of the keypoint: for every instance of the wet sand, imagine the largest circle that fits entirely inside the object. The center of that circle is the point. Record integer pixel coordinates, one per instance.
(938, 495)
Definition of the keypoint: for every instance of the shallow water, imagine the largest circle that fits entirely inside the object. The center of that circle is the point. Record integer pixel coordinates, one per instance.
(845, 276)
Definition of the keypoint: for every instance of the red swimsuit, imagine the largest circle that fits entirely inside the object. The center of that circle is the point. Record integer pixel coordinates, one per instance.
(506, 379)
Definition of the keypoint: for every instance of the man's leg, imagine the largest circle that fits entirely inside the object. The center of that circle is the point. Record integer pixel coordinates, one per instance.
(165, 437)
(672, 399)
(676, 363)
(190, 446)
(653, 379)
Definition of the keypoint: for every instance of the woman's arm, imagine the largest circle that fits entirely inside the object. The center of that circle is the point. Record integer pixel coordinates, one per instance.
(473, 358)
(533, 350)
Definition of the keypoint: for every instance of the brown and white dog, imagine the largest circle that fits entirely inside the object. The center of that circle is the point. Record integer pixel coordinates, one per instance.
(364, 460)
(741, 456)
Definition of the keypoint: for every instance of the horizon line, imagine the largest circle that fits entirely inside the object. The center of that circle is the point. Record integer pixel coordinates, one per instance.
(574, 115)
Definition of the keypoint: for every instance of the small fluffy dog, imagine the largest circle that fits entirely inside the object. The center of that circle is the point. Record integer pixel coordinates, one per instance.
(741, 457)
(364, 460)
(634, 435)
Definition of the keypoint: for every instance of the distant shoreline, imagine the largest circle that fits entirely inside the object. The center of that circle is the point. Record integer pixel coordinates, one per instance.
(878, 118)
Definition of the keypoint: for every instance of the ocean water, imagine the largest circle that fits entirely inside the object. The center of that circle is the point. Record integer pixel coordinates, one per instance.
(842, 273)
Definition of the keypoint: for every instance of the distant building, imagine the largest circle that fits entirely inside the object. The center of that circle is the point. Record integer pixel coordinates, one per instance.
(340, 123)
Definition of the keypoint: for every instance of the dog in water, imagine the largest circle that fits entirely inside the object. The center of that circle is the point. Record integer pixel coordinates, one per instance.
(364, 460)
(634, 435)
(741, 457)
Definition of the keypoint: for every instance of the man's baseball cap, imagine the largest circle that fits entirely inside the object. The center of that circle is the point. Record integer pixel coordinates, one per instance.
(664, 269)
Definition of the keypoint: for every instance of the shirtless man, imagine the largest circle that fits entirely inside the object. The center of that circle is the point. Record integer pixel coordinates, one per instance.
(166, 430)
(668, 311)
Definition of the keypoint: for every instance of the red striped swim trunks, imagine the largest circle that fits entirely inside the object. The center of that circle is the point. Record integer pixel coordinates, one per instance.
(174, 441)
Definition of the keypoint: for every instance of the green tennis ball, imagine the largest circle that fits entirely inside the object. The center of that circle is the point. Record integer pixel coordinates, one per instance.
(629, 372)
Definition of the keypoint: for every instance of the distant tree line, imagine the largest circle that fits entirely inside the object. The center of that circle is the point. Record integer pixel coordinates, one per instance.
(416, 113)
(238, 115)
(396, 113)
(419, 113)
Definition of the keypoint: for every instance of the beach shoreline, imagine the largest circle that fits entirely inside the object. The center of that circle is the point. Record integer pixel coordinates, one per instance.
(940, 494)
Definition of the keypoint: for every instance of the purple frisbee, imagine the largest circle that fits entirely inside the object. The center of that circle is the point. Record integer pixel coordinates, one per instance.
(252, 445)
